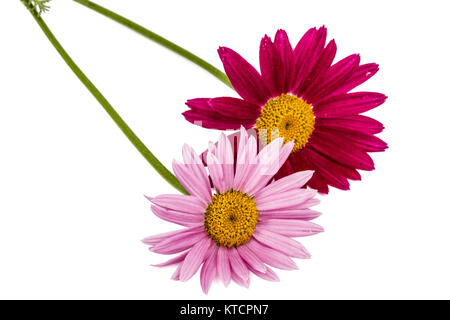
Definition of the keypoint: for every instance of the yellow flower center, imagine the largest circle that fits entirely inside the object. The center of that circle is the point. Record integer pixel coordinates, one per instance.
(286, 116)
(230, 218)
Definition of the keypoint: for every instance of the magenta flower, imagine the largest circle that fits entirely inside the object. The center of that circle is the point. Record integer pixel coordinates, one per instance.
(302, 97)
(247, 225)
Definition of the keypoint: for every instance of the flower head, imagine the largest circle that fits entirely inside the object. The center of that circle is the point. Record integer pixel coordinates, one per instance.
(301, 96)
(247, 225)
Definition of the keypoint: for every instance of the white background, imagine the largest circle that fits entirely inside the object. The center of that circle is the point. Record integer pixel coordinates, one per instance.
(72, 210)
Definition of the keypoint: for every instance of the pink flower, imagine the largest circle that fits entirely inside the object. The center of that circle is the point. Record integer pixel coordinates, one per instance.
(301, 96)
(247, 225)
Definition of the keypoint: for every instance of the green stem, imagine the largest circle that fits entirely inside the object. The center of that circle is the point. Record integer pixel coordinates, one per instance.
(158, 39)
(156, 164)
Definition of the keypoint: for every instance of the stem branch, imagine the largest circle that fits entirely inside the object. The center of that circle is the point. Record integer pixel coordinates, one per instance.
(158, 39)
(156, 164)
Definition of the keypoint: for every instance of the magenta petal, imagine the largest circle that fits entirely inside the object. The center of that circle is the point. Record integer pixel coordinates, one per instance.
(285, 170)
(201, 106)
(319, 183)
(364, 141)
(351, 123)
(332, 79)
(245, 79)
(208, 122)
(235, 108)
(319, 69)
(300, 56)
(330, 171)
(307, 53)
(194, 259)
(299, 162)
(286, 53)
(360, 75)
(341, 150)
(348, 104)
(272, 70)
(271, 257)
(208, 271)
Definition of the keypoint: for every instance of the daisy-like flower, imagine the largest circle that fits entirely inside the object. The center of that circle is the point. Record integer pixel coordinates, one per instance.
(302, 97)
(243, 228)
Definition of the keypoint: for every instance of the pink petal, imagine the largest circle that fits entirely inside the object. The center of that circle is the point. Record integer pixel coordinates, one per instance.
(190, 182)
(270, 159)
(268, 275)
(251, 259)
(176, 274)
(178, 243)
(223, 265)
(293, 181)
(172, 261)
(271, 257)
(194, 259)
(181, 218)
(180, 202)
(246, 162)
(208, 271)
(280, 243)
(286, 199)
(307, 204)
(216, 172)
(272, 70)
(225, 156)
(301, 214)
(291, 228)
(194, 165)
(241, 158)
(245, 79)
(242, 282)
(152, 240)
(237, 264)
